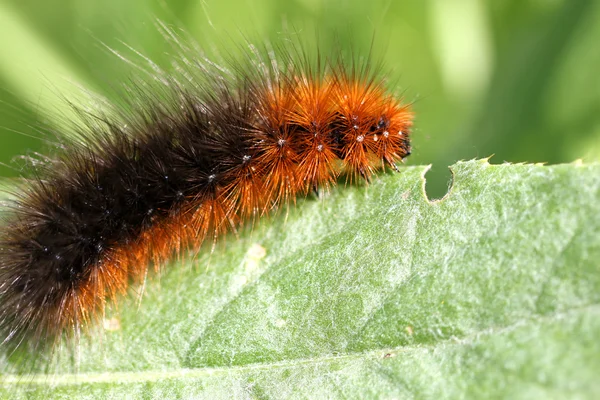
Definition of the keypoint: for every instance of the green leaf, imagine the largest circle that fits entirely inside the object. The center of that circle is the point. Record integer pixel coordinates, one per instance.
(374, 291)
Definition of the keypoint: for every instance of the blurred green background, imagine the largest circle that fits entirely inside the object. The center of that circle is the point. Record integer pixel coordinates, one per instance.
(515, 78)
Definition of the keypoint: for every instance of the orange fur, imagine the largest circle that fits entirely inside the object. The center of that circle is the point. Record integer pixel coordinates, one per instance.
(297, 122)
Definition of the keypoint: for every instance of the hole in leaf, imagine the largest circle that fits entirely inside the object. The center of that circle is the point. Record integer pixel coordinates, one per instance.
(438, 181)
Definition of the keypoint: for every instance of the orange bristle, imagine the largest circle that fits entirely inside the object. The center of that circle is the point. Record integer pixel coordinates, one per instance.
(140, 187)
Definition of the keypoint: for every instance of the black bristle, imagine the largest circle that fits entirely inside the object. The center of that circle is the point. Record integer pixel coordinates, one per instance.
(125, 172)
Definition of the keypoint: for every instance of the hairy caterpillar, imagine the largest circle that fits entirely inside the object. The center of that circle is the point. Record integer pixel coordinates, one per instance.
(187, 157)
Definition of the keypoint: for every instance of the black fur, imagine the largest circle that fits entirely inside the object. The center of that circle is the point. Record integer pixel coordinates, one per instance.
(119, 174)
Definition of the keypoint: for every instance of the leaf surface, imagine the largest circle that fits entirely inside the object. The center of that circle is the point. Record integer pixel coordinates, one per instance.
(368, 292)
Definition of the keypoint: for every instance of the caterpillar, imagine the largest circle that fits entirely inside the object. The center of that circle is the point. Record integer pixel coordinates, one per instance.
(184, 158)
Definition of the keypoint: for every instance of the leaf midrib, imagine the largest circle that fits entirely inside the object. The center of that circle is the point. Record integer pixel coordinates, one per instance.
(154, 376)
